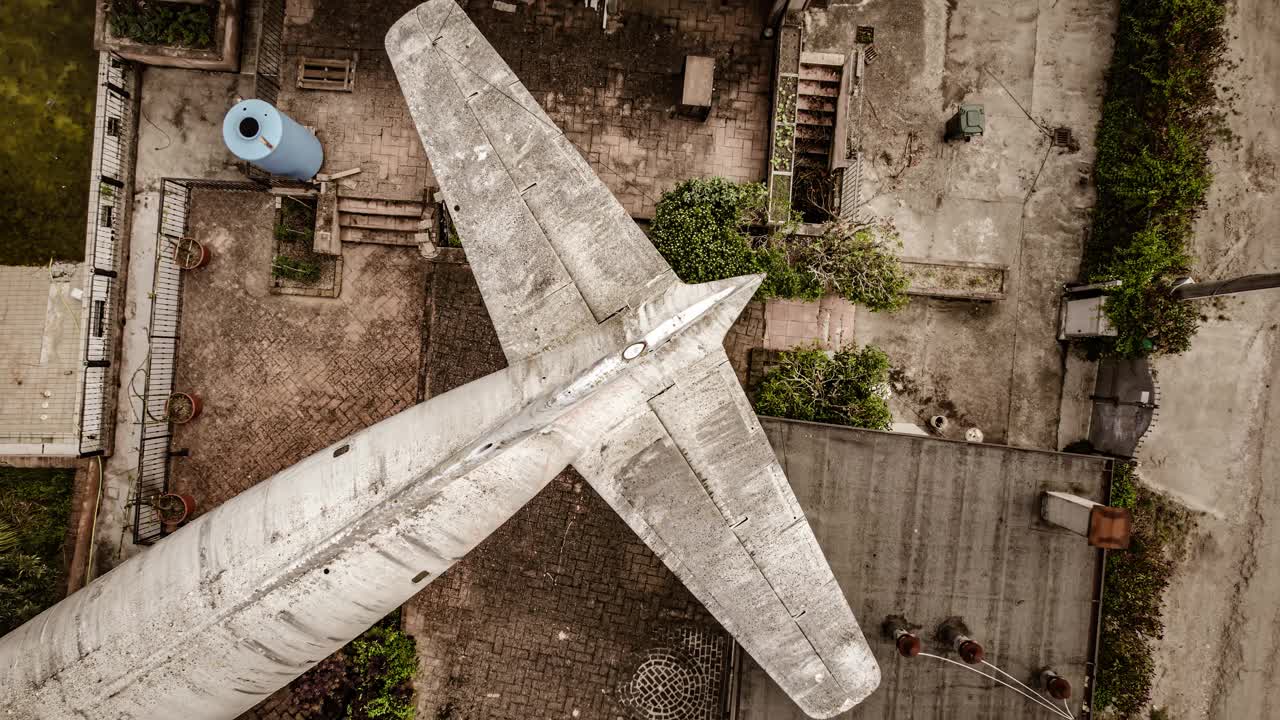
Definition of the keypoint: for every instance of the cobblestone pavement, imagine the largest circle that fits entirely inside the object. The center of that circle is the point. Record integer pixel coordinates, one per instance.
(613, 91)
(282, 377)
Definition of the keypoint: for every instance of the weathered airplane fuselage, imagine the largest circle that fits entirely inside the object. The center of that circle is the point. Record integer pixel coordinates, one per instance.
(253, 593)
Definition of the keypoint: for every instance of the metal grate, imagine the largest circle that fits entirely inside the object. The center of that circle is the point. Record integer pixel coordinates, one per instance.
(1062, 137)
(685, 676)
(870, 54)
(666, 685)
(266, 80)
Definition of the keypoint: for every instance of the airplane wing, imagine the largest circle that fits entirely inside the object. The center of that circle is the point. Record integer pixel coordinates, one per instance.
(551, 248)
(736, 536)
(555, 254)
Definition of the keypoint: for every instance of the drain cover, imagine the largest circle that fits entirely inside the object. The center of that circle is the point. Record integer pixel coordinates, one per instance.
(666, 685)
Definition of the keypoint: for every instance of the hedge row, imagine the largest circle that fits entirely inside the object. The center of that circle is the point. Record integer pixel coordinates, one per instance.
(1136, 580)
(1160, 117)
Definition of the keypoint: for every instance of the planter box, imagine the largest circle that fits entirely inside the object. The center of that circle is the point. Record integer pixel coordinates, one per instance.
(783, 123)
(957, 279)
(224, 56)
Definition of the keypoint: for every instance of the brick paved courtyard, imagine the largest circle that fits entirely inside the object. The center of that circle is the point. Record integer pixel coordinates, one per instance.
(282, 377)
(612, 91)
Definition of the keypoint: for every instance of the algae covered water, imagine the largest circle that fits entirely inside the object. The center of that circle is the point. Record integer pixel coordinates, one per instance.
(48, 70)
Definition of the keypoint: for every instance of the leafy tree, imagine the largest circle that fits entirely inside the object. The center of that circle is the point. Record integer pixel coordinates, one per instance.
(856, 261)
(844, 388)
(702, 227)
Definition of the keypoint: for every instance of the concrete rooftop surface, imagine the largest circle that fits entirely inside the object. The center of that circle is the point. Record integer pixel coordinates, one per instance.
(43, 319)
(929, 529)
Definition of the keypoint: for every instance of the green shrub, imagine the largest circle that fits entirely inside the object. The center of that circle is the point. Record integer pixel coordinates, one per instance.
(1160, 117)
(163, 23)
(35, 507)
(294, 269)
(699, 225)
(1133, 593)
(383, 663)
(29, 586)
(701, 228)
(845, 388)
(857, 261)
(369, 679)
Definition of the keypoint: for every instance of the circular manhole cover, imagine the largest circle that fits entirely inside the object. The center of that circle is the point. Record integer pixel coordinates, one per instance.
(666, 685)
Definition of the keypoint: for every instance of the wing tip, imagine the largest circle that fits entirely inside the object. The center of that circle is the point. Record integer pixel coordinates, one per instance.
(416, 28)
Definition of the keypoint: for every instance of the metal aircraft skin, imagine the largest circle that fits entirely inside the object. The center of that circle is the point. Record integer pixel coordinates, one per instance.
(616, 368)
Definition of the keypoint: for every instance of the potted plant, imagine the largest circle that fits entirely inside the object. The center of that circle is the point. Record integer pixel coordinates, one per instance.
(190, 254)
(174, 509)
(182, 408)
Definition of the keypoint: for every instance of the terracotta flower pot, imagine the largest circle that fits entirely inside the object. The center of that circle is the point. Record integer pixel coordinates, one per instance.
(182, 408)
(174, 509)
(190, 254)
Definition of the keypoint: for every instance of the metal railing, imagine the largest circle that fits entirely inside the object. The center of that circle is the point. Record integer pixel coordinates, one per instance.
(155, 445)
(109, 190)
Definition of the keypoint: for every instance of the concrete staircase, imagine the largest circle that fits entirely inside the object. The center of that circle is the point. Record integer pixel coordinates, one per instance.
(377, 221)
(817, 104)
(384, 222)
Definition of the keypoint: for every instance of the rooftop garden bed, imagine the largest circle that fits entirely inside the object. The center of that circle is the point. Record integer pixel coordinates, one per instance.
(197, 34)
(169, 24)
(296, 268)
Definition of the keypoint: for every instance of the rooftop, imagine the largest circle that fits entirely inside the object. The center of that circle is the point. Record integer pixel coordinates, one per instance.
(929, 529)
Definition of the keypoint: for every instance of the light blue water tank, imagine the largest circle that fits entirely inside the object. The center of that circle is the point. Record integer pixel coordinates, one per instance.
(256, 131)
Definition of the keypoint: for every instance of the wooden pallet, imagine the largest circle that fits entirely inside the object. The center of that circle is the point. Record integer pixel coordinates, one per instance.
(326, 74)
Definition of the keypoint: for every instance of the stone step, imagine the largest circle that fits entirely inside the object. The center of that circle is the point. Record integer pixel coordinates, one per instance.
(809, 117)
(375, 206)
(809, 87)
(813, 103)
(822, 74)
(813, 132)
(378, 222)
(377, 236)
